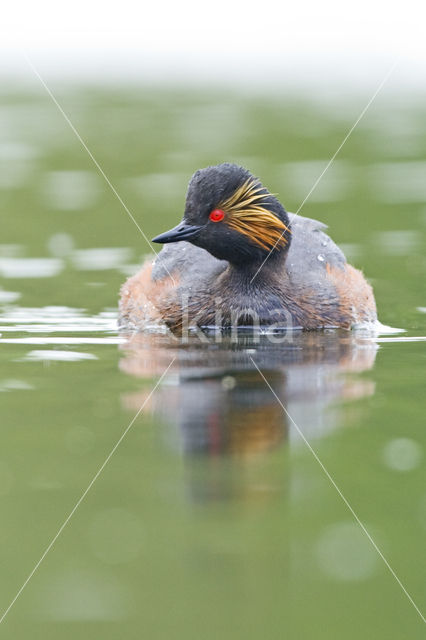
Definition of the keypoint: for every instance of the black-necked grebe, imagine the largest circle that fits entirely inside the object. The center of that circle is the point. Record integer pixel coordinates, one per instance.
(239, 260)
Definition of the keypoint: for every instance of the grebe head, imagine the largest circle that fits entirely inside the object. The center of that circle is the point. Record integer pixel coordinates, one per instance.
(232, 215)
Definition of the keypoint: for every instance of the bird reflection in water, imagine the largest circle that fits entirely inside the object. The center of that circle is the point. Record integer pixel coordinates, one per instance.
(216, 402)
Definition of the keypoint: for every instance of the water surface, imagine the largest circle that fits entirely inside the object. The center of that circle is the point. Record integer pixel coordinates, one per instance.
(213, 517)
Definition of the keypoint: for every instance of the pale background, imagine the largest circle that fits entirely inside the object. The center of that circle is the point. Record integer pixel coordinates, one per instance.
(318, 46)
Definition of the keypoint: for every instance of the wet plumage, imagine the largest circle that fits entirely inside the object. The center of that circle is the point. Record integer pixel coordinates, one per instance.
(238, 259)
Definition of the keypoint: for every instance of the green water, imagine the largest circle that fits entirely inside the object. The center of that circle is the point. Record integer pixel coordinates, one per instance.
(214, 517)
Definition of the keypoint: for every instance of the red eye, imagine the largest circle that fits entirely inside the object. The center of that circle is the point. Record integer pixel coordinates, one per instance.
(217, 215)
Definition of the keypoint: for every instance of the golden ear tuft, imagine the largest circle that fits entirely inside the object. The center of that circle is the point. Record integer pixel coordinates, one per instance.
(249, 216)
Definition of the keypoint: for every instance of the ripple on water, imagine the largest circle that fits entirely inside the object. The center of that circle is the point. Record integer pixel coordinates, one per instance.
(30, 267)
(100, 259)
(60, 244)
(53, 354)
(18, 161)
(15, 385)
(402, 454)
(9, 296)
(71, 190)
(82, 595)
(56, 320)
(11, 250)
(300, 176)
(101, 328)
(397, 243)
(345, 554)
(399, 181)
(155, 186)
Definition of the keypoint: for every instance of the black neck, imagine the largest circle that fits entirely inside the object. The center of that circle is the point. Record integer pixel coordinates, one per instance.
(258, 271)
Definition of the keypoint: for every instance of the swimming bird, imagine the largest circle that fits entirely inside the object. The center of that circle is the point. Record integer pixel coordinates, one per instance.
(238, 259)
